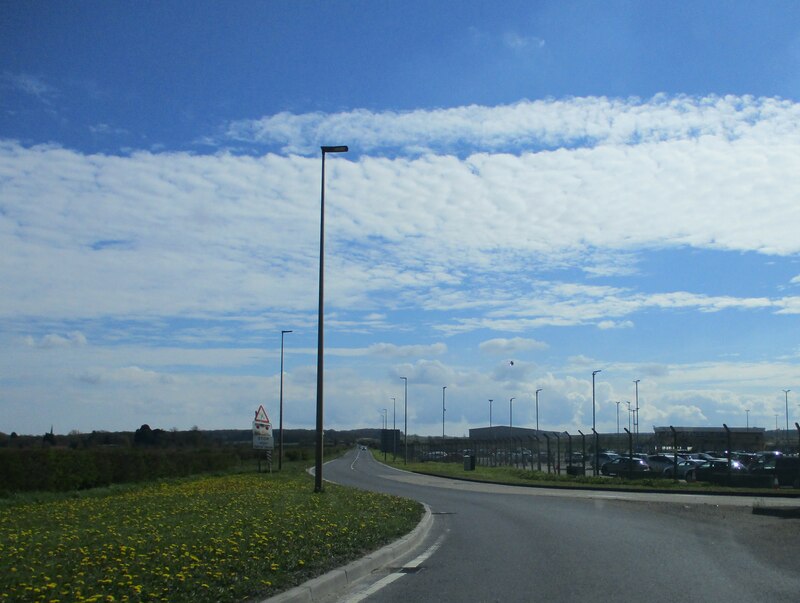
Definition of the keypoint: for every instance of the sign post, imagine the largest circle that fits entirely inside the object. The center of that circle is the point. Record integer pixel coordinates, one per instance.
(262, 436)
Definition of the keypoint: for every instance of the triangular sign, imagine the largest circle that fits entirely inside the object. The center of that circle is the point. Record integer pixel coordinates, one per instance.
(261, 415)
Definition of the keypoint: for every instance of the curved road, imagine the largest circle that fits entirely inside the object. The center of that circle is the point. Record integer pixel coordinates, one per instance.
(504, 543)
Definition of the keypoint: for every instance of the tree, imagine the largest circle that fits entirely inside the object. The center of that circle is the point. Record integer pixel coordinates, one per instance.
(143, 436)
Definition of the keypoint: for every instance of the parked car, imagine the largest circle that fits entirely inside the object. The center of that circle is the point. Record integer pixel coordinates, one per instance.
(716, 469)
(603, 458)
(703, 456)
(762, 467)
(521, 455)
(685, 470)
(435, 455)
(575, 459)
(659, 462)
(624, 465)
(787, 470)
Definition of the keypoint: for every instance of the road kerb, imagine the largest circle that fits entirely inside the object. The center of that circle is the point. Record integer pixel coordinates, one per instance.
(339, 579)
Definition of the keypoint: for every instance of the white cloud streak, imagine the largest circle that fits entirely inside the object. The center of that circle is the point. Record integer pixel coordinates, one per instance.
(530, 124)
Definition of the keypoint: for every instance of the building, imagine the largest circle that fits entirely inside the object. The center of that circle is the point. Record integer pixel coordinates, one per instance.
(701, 439)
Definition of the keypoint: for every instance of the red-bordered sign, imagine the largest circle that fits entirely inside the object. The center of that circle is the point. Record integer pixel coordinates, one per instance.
(262, 430)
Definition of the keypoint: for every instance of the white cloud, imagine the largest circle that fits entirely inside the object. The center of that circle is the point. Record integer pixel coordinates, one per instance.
(390, 350)
(611, 324)
(531, 124)
(54, 340)
(519, 42)
(508, 347)
(30, 84)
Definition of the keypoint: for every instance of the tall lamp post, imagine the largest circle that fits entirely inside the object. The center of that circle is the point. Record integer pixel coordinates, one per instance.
(444, 387)
(594, 424)
(636, 417)
(280, 419)
(786, 395)
(490, 415)
(511, 418)
(405, 424)
(383, 433)
(394, 428)
(318, 487)
(537, 408)
(747, 412)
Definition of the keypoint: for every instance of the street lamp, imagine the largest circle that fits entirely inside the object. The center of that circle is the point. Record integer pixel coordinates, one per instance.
(405, 424)
(394, 428)
(537, 408)
(594, 424)
(383, 433)
(444, 387)
(636, 417)
(786, 395)
(618, 403)
(318, 487)
(511, 418)
(747, 412)
(280, 419)
(490, 415)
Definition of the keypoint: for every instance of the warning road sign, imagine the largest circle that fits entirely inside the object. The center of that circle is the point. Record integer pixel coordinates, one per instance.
(262, 431)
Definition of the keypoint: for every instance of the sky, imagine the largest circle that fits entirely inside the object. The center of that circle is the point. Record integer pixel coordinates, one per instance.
(533, 191)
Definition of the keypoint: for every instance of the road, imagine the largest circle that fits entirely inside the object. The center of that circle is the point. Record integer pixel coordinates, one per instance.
(503, 543)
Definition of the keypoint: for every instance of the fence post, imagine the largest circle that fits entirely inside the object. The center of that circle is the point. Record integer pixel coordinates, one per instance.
(558, 454)
(798, 436)
(674, 453)
(569, 452)
(547, 437)
(630, 451)
(728, 451)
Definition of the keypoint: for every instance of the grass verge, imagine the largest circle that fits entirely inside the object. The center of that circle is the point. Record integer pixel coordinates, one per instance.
(527, 477)
(213, 538)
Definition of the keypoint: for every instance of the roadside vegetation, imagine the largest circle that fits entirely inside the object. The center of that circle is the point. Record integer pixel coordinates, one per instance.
(206, 538)
(515, 476)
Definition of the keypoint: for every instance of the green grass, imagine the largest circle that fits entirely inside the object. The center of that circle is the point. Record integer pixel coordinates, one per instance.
(526, 477)
(213, 538)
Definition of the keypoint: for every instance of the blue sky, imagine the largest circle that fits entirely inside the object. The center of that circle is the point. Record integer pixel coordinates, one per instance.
(570, 186)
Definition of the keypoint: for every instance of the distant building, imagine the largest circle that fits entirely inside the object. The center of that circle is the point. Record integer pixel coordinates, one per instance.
(701, 439)
(503, 432)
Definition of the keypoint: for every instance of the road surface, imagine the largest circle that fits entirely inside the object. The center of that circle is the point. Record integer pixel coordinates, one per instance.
(503, 543)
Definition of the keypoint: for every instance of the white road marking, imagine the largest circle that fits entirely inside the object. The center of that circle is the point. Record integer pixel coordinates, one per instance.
(386, 580)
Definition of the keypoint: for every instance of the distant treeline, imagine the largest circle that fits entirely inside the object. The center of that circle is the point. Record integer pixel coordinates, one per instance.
(63, 469)
(144, 436)
(80, 461)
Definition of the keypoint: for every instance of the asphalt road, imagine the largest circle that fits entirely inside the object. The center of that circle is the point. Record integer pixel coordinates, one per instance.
(501, 543)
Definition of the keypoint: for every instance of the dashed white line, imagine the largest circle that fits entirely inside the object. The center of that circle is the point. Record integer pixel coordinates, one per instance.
(386, 580)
